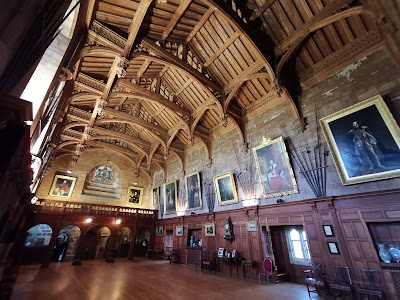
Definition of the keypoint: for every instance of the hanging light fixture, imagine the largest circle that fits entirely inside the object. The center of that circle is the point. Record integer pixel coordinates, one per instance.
(117, 221)
(88, 220)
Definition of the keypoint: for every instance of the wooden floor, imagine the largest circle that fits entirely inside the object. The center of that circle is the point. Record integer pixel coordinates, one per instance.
(143, 279)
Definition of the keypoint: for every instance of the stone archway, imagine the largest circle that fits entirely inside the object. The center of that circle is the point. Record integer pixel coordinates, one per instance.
(94, 243)
(123, 241)
(74, 233)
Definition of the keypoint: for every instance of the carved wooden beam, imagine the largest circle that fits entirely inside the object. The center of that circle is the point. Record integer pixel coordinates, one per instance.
(134, 88)
(200, 24)
(136, 120)
(143, 68)
(184, 65)
(257, 65)
(175, 18)
(135, 25)
(119, 135)
(222, 49)
(256, 14)
(303, 30)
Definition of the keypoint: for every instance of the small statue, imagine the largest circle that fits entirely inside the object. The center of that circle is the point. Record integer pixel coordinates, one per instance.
(201, 242)
(191, 241)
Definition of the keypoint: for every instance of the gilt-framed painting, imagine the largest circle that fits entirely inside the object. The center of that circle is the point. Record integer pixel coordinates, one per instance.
(159, 231)
(170, 197)
(209, 229)
(193, 191)
(62, 186)
(156, 196)
(179, 230)
(135, 195)
(225, 189)
(364, 140)
(274, 169)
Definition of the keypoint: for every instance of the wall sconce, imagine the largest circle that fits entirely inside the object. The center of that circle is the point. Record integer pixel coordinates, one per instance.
(88, 220)
(117, 221)
(34, 199)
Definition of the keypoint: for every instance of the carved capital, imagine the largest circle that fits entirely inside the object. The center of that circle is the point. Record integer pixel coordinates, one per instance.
(123, 63)
(277, 87)
(101, 105)
(224, 120)
(136, 173)
(209, 163)
(244, 148)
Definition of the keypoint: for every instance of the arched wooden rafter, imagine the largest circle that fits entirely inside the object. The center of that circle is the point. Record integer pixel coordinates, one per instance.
(105, 121)
(178, 68)
(240, 130)
(247, 78)
(145, 98)
(104, 137)
(318, 25)
(95, 51)
(206, 147)
(201, 113)
(64, 144)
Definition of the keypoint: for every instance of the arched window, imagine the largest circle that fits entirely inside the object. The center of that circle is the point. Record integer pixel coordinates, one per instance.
(297, 245)
(39, 236)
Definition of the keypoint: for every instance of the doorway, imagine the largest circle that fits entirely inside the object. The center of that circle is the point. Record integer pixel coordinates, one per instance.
(169, 241)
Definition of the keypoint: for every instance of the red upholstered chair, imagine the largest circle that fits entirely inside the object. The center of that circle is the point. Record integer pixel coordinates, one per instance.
(267, 270)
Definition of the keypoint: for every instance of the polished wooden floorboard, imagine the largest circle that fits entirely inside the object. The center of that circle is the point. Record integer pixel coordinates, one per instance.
(143, 279)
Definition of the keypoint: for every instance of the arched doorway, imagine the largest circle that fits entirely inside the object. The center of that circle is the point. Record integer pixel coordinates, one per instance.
(123, 241)
(142, 235)
(67, 243)
(37, 243)
(94, 243)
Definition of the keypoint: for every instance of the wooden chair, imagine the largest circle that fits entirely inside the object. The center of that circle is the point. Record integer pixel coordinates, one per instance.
(370, 284)
(342, 282)
(175, 256)
(207, 261)
(267, 270)
(315, 277)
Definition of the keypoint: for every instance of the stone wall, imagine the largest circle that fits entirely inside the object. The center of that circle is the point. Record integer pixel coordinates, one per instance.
(372, 75)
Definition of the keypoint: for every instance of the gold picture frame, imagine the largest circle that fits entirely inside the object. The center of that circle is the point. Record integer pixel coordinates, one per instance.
(159, 231)
(135, 195)
(179, 230)
(251, 225)
(364, 140)
(209, 229)
(156, 196)
(62, 186)
(274, 168)
(193, 191)
(225, 189)
(170, 197)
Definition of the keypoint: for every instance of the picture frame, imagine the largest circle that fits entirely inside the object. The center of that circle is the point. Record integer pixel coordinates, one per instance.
(170, 197)
(328, 230)
(274, 168)
(62, 186)
(225, 189)
(179, 230)
(209, 229)
(156, 196)
(135, 195)
(221, 252)
(159, 231)
(251, 225)
(193, 191)
(364, 140)
(333, 248)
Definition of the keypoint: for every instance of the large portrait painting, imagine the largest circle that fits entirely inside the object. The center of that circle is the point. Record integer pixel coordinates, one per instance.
(62, 186)
(170, 197)
(135, 195)
(365, 141)
(156, 196)
(225, 189)
(193, 191)
(274, 169)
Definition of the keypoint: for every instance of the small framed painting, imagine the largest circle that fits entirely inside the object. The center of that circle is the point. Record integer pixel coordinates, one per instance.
(135, 195)
(193, 191)
(159, 231)
(179, 230)
(251, 226)
(333, 249)
(328, 231)
(62, 186)
(209, 229)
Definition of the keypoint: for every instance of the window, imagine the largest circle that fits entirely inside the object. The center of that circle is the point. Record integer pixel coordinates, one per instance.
(297, 245)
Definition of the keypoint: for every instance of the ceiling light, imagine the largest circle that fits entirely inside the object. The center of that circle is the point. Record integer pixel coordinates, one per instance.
(69, 171)
(88, 220)
(135, 183)
(118, 221)
(34, 199)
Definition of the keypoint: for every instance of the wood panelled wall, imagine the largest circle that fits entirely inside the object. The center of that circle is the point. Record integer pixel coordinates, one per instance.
(348, 215)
